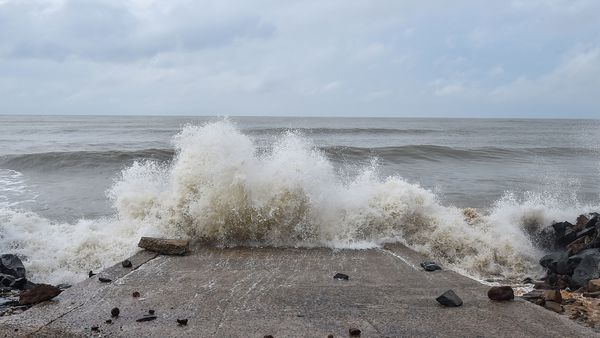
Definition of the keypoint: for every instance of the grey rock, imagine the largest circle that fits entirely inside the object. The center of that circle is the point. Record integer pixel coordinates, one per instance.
(450, 299)
(12, 265)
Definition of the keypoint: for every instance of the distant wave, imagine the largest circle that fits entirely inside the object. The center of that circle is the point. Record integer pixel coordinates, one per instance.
(82, 159)
(334, 131)
(434, 153)
(439, 153)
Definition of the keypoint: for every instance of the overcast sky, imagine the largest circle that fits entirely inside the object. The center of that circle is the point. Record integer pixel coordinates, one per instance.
(536, 58)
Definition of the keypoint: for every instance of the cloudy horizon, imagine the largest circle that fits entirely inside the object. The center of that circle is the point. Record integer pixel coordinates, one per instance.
(531, 59)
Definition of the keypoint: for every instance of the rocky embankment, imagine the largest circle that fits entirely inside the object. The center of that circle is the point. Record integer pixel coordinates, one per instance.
(572, 281)
(17, 294)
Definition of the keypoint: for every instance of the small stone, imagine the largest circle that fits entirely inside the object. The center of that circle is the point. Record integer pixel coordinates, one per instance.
(329, 336)
(341, 276)
(108, 321)
(115, 312)
(501, 293)
(126, 263)
(135, 294)
(146, 319)
(450, 299)
(104, 280)
(268, 336)
(430, 266)
(63, 286)
(91, 274)
(354, 332)
(182, 322)
(151, 312)
(95, 328)
(38, 293)
(553, 296)
(553, 306)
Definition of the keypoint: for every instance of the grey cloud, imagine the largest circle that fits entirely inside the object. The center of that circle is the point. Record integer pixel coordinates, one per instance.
(106, 31)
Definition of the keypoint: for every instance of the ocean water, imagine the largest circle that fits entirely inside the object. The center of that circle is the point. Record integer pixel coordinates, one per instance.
(76, 193)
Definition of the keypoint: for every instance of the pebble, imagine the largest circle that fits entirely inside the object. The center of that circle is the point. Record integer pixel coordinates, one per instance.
(151, 312)
(182, 322)
(135, 294)
(108, 321)
(115, 312)
(104, 280)
(449, 298)
(341, 276)
(146, 319)
(354, 332)
(126, 263)
(91, 273)
(95, 328)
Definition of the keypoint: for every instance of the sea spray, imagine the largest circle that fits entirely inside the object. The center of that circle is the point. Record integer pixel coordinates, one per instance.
(222, 188)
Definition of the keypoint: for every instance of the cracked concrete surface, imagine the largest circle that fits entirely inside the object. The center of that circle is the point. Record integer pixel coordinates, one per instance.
(253, 292)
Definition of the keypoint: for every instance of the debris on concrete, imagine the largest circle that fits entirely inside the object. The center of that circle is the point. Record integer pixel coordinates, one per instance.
(39, 293)
(501, 293)
(341, 276)
(449, 299)
(165, 246)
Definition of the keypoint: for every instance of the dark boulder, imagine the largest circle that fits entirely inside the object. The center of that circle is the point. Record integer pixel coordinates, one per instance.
(450, 299)
(501, 293)
(569, 236)
(592, 222)
(126, 263)
(115, 312)
(556, 263)
(19, 283)
(39, 293)
(575, 260)
(182, 322)
(6, 280)
(585, 271)
(561, 227)
(12, 265)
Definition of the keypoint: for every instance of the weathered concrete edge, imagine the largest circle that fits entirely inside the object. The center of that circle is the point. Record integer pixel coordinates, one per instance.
(32, 321)
(412, 258)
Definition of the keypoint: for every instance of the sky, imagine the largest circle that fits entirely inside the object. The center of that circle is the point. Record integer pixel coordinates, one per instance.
(536, 58)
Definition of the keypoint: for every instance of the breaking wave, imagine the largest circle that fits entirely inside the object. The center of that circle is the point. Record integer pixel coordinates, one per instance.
(221, 188)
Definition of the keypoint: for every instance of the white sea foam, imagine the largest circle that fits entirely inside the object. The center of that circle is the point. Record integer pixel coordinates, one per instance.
(221, 189)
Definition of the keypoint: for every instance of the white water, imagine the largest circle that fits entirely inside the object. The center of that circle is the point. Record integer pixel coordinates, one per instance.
(220, 188)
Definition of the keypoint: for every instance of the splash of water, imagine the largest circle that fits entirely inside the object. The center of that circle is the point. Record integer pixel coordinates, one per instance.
(220, 188)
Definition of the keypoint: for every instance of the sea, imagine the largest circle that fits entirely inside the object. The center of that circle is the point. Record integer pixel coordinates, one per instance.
(77, 192)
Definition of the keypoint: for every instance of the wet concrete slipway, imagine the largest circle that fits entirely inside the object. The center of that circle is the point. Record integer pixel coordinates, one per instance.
(253, 292)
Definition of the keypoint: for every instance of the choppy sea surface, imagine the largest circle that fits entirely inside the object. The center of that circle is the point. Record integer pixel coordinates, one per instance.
(77, 192)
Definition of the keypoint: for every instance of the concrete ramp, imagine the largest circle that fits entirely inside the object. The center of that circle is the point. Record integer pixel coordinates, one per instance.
(253, 292)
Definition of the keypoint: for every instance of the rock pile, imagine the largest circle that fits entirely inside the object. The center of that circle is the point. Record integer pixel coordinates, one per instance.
(16, 292)
(573, 265)
(576, 255)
